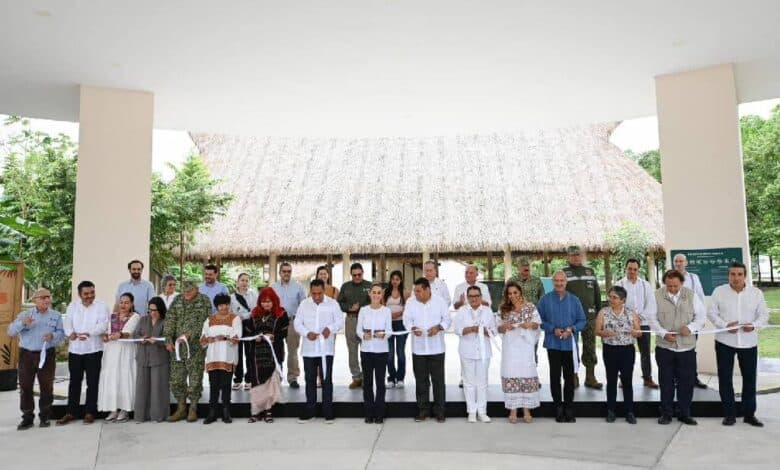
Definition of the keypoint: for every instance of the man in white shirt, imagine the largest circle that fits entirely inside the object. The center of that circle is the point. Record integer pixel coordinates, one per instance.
(641, 300)
(742, 307)
(242, 301)
(317, 321)
(427, 317)
(693, 283)
(86, 321)
(679, 314)
(459, 297)
(438, 287)
(475, 324)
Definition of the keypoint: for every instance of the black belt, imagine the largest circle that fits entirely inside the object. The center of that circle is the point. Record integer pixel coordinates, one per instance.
(36, 352)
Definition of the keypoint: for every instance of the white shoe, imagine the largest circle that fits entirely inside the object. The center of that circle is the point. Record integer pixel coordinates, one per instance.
(122, 416)
(390, 384)
(236, 385)
(247, 386)
(399, 384)
(111, 416)
(484, 418)
(472, 418)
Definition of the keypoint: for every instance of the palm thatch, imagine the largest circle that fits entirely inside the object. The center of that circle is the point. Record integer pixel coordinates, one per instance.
(532, 191)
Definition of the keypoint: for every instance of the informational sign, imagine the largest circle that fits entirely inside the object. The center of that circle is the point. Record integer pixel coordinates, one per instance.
(11, 280)
(711, 265)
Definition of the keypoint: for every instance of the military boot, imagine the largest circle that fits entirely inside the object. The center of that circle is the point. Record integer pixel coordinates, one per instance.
(192, 416)
(590, 379)
(179, 414)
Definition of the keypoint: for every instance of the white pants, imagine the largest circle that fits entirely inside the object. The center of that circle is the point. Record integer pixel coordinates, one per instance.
(475, 381)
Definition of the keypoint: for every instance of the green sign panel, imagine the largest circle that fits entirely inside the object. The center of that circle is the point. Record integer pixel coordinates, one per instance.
(711, 265)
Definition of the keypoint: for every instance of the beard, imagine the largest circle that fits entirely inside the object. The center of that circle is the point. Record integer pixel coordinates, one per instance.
(135, 276)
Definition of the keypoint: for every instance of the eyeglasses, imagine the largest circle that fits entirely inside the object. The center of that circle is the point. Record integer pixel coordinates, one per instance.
(474, 296)
(153, 310)
(357, 274)
(285, 271)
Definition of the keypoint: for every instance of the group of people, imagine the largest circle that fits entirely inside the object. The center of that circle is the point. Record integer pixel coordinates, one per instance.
(147, 347)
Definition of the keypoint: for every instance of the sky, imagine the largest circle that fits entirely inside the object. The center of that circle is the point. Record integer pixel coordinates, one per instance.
(638, 135)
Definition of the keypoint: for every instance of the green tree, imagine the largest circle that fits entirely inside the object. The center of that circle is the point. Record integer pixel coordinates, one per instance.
(180, 209)
(37, 205)
(650, 161)
(628, 241)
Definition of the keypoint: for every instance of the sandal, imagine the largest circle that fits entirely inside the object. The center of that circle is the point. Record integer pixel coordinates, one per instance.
(268, 418)
(513, 419)
(254, 418)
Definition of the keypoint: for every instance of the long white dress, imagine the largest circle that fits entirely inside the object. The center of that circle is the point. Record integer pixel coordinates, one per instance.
(519, 379)
(117, 372)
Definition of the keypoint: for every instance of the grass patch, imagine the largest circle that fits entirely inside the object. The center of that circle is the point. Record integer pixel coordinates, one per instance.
(772, 296)
(769, 339)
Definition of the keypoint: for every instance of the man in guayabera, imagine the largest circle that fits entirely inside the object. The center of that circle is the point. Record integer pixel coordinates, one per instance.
(184, 323)
(583, 284)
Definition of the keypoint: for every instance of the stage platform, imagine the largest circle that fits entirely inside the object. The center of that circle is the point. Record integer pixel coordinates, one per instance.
(401, 402)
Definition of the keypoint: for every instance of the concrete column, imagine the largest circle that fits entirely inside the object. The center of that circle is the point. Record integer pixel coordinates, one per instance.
(701, 166)
(507, 263)
(273, 268)
(113, 186)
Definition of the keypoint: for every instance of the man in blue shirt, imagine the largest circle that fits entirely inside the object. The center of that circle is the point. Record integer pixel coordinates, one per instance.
(142, 290)
(211, 287)
(40, 330)
(562, 318)
(291, 294)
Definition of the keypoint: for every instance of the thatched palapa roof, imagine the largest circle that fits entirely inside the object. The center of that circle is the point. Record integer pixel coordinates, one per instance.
(533, 191)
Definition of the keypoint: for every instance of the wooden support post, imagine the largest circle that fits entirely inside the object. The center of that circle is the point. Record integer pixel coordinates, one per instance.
(273, 269)
(546, 263)
(607, 271)
(345, 262)
(329, 266)
(382, 267)
(490, 265)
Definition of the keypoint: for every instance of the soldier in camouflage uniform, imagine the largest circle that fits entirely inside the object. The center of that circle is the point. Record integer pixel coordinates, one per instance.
(185, 317)
(583, 284)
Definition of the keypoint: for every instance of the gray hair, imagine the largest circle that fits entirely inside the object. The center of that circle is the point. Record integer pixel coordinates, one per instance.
(561, 272)
(168, 278)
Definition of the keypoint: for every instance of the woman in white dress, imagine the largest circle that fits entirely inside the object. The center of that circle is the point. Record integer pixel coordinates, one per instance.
(116, 391)
(520, 328)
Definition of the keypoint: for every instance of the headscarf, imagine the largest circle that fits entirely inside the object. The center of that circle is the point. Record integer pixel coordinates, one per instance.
(267, 293)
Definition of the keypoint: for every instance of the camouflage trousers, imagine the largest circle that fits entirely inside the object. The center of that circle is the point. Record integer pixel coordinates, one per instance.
(588, 341)
(191, 369)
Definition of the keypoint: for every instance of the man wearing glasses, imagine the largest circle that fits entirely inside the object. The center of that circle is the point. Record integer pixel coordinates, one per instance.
(291, 295)
(40, 330)
(353, 295)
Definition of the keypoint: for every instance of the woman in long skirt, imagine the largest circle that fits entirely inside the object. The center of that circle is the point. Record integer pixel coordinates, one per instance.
(520, 327)
(270, 321)
(152, 391)
(116, 390)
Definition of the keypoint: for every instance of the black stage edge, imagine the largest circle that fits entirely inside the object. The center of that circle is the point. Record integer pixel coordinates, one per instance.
(401, 403)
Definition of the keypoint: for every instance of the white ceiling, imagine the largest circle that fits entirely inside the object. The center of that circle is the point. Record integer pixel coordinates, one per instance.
(378, 68)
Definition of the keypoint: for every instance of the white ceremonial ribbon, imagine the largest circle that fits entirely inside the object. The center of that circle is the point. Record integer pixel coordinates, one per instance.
(575, 353)
(709, 332)
(137, 340)
(481, 336)
(493, 339)
(321, 343)
(179, 340)
(42, 359)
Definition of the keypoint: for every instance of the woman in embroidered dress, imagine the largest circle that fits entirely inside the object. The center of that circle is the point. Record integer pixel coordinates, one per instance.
(116, 390)
(268, 318)
(220, 336)
(520, 327)
(618, 327)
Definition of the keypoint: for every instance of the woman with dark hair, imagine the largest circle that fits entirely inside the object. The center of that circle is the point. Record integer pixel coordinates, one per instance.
(330, 290)
(220, 336)
(152, 393)
(116, 389)
(619, 328)
(266, 353)
(519, 325)
(395, 300)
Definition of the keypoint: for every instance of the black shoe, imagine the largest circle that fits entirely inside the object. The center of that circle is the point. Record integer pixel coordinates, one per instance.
(729, 421)
(379, 420)
(441, 418)
(294, 384)
(559, 415)
(611, 416)
(664, 419)
(305, 419)
(753, 421)
(44, 422)
(420, 418)
(569, 413)
(226, 414)
(630, 418)
(700, 384)
(27, 423)
(369, 420)
(687, 420)
(211, 417)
